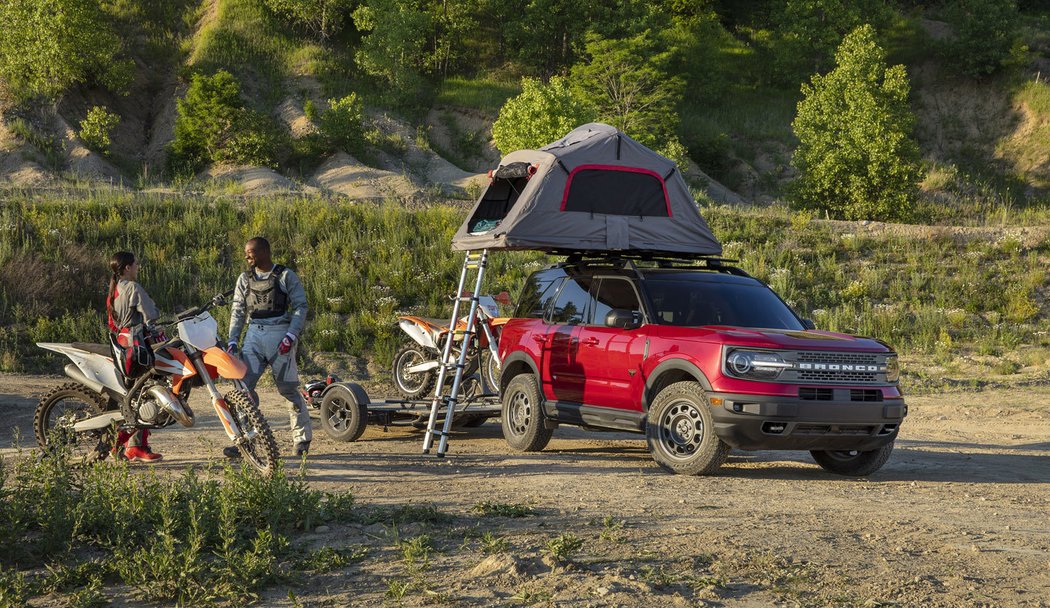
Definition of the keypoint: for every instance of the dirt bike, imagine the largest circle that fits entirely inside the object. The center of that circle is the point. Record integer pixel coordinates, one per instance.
(84, 415)
(416, 363)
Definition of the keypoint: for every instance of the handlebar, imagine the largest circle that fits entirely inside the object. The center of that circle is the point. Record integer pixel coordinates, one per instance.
(218, 300)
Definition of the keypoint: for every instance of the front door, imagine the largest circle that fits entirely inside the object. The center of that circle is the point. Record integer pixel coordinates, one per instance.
(610, 358)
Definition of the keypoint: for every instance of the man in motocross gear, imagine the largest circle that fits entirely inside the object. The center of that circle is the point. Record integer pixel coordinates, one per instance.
(270, 300)
(129, 310)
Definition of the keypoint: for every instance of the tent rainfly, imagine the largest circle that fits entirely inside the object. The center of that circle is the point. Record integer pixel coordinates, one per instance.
(596, 189)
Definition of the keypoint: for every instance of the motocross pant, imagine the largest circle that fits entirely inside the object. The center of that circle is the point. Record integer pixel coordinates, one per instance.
(260, 352)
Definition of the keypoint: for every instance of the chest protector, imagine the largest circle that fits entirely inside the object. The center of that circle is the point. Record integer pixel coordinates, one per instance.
(266, 299)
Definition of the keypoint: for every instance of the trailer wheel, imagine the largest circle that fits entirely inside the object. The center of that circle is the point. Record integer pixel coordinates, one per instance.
(344, 415)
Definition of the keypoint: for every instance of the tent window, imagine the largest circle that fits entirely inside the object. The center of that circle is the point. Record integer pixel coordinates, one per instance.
(615, 190)
(496, 203)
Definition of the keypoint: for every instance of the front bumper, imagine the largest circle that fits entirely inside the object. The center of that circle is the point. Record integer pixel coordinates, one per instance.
(761, 422)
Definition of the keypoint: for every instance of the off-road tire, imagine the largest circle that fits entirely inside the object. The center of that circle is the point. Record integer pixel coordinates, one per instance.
(522, 415)
(93, 404)
(852, 463)
(680, 431)
(343, 417)
(261, 451)
(411, 354)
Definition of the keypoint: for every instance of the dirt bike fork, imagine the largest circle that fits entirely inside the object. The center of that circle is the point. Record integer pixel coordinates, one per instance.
(225, 416)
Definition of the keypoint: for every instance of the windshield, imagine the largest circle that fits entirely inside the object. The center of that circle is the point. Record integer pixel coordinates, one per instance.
(694, 301)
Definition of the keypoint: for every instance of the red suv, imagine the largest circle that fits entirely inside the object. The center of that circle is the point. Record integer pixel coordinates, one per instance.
(700, 358)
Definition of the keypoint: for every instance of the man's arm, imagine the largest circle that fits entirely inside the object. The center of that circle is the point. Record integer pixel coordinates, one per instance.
(296, 302)
(237, 309)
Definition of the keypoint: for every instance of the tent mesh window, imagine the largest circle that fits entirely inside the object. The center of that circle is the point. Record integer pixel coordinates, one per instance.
(616, 191)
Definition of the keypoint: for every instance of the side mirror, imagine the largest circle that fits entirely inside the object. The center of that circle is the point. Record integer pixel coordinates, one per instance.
(808, 324)
(623, 319)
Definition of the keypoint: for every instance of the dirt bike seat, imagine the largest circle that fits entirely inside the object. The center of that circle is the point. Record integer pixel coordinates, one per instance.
(98, 349)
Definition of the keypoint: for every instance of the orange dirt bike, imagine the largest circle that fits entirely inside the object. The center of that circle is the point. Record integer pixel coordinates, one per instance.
(85, 414)
(416, 363)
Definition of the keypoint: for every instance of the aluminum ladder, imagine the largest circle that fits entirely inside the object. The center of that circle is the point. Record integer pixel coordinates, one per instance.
(472, 262)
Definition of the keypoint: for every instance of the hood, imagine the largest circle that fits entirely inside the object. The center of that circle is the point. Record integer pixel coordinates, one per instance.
(797, 340)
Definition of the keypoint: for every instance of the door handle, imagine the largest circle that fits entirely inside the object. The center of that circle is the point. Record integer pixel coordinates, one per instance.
(590, 341)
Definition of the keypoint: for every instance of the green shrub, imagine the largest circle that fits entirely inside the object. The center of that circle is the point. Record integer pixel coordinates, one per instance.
(95, 129)
(322, 18)
(341, 122)
(542, 113)
(48, 45)
(856, 156)
(986, 36)
(214, 125)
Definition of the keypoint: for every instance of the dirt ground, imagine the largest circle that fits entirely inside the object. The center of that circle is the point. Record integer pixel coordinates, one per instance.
(960, 516)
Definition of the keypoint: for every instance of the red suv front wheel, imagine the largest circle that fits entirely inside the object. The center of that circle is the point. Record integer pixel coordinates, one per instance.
(681, 432)
(522, 415)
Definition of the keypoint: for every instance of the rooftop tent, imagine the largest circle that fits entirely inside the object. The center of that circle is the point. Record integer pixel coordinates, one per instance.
(596, 189)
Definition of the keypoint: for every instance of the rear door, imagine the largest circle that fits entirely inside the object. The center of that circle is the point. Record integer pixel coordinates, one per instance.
(610, 358)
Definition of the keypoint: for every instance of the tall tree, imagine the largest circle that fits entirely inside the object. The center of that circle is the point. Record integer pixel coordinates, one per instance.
(629, 82)
(394, 46)
(48, 45)
(322, 18)
(986, 35)
(856, 157)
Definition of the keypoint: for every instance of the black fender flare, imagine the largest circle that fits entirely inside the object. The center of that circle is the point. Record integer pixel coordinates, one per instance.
(514, 362)
(677, 366)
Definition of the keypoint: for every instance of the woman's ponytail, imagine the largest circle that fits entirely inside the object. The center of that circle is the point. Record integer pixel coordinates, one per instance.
(118, 264)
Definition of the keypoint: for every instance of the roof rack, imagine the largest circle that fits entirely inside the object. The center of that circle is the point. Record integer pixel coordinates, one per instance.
(627, 261)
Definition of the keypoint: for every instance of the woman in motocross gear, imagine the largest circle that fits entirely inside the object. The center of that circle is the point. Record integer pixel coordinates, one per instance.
(129, 310)
(270, 300)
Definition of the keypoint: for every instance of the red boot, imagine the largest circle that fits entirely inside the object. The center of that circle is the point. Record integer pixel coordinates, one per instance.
(141, 452)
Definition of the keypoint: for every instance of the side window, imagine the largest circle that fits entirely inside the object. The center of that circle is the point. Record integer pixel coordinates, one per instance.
(571, 306)
(536, 296)
(614, 293)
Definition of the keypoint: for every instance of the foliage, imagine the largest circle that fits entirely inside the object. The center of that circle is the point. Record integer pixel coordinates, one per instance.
(808, 32)
(986, 35)
(214, 125)
(322, 18)
(542, 113)
(628, 82)
(393, 47)
(546, 36)
(190, 539)
(341, 122)
(96, 128)
(49, 45)
(856, 156)
(455, 24)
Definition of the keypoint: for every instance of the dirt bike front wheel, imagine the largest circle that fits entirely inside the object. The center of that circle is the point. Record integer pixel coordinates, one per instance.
(258, 446)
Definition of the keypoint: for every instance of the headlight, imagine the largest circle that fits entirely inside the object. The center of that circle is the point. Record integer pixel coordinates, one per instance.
(755, 365)
(893, 369)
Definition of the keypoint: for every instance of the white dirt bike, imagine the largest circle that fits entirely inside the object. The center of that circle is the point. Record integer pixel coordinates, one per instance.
(85, 414)
(416, 363)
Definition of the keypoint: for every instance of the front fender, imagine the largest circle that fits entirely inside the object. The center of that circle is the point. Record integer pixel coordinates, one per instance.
(418, 334)
(228, 366)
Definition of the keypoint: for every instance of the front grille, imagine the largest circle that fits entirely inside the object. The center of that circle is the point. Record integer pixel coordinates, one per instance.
(832, 357)
(865, 394)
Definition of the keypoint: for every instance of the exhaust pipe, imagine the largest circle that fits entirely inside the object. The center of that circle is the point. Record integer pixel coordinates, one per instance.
(74, 373)
(171, 405)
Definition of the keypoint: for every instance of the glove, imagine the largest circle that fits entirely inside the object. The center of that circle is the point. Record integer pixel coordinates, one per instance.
(231, 347)
(286, 344)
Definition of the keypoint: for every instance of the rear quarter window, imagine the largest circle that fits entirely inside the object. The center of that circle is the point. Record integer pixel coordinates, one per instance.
(536, 296)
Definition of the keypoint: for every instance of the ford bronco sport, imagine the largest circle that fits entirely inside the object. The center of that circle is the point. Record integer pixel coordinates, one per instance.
(700, 357)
